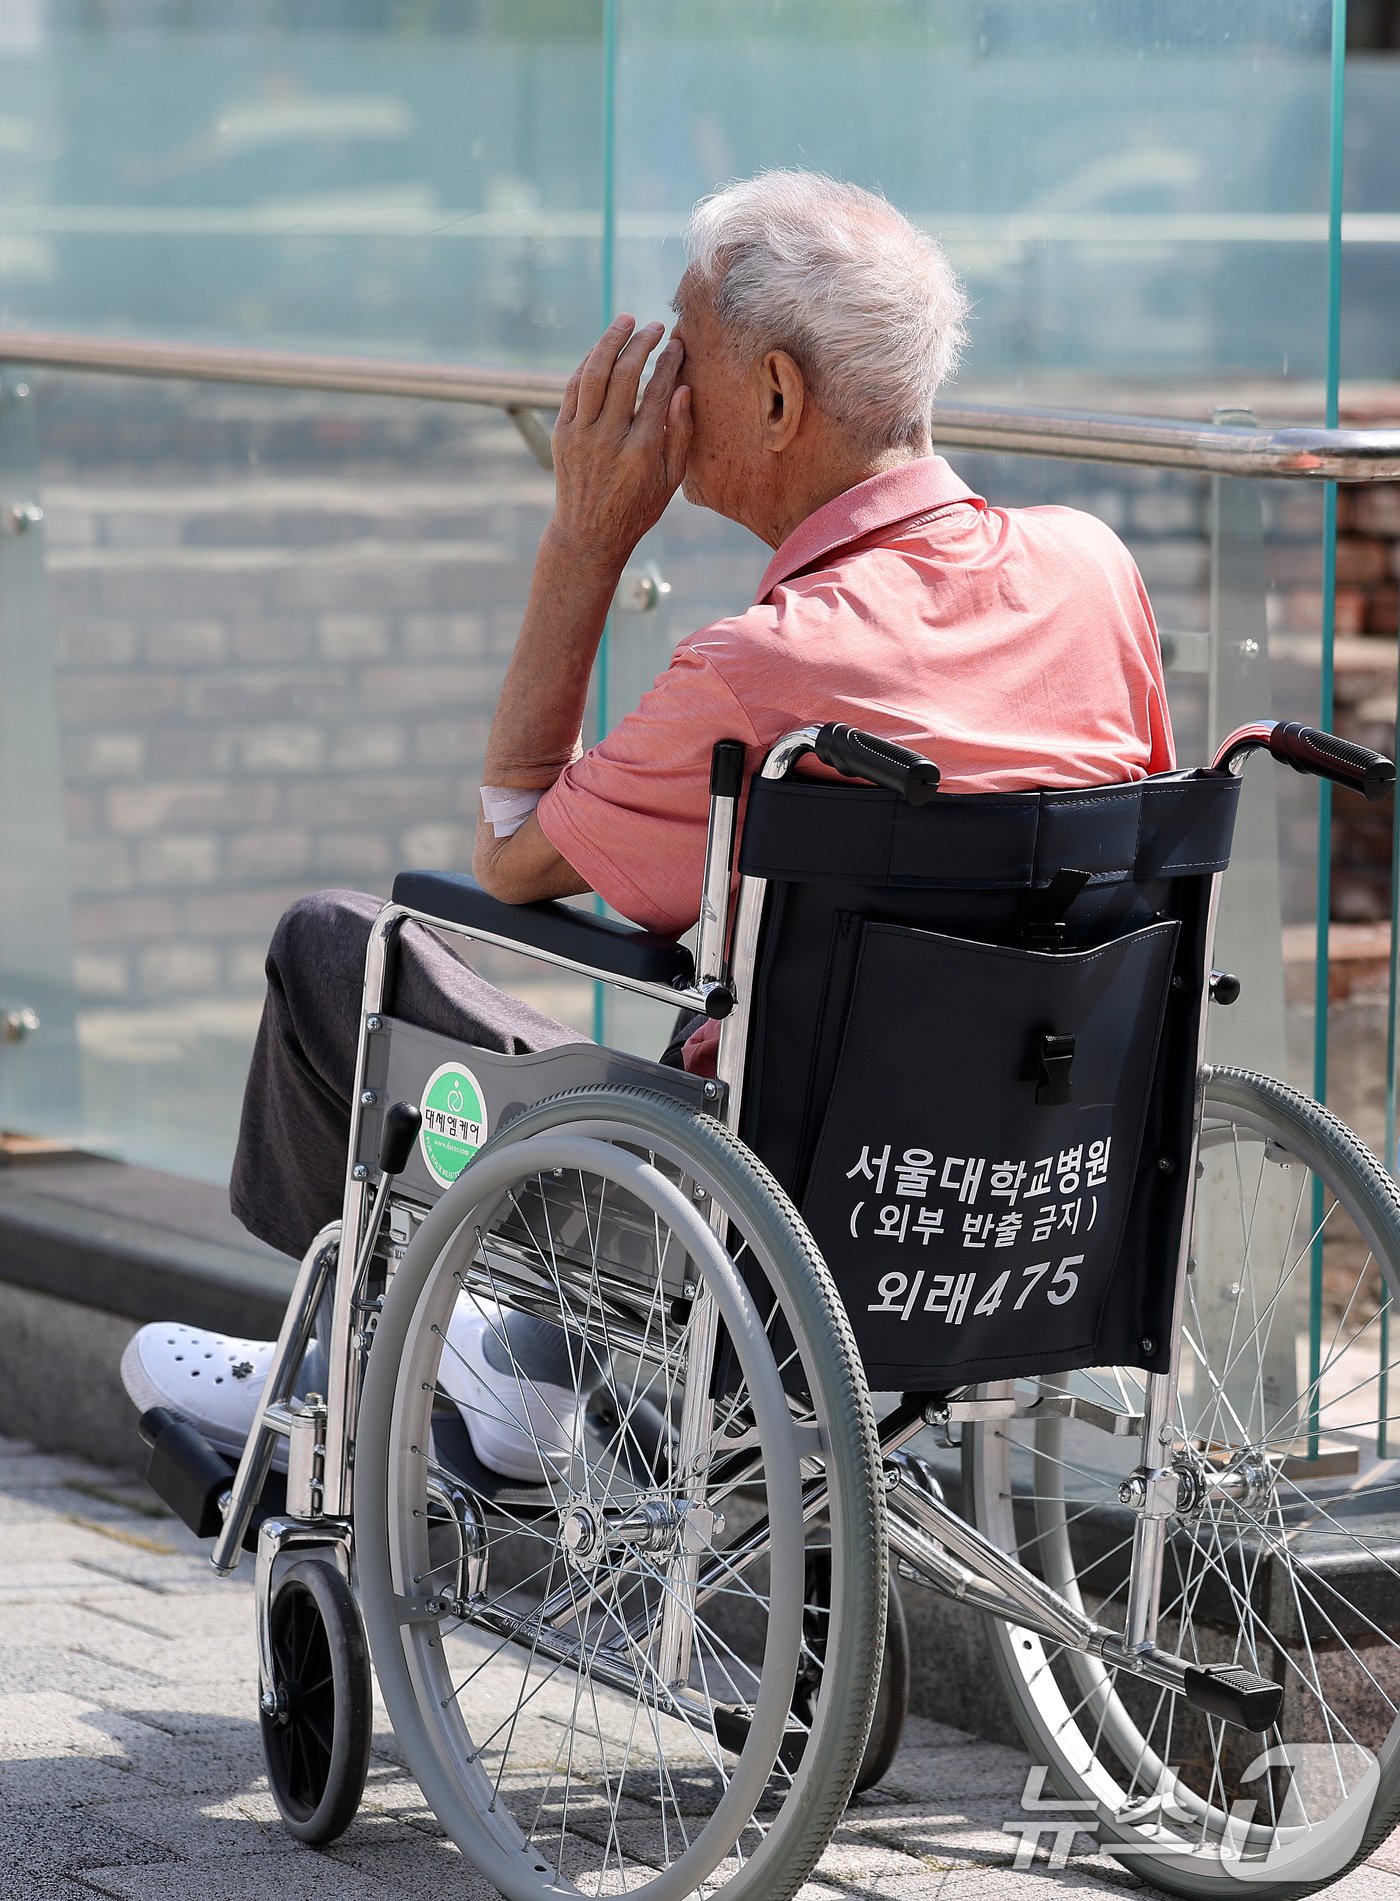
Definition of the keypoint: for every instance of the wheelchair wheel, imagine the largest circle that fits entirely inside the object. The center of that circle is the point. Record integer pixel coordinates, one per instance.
(595, 1685)
(316, 1734)
(1284, 1551)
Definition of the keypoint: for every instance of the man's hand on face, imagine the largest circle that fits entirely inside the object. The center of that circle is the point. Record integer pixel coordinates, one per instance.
(618, 462)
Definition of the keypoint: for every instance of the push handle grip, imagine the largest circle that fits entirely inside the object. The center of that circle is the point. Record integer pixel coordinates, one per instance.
(862, 756)
(1308, 750)
(726, 769)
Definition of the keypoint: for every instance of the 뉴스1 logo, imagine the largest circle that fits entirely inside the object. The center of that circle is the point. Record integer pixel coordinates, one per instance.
(1309, 1834)
(454, 1122)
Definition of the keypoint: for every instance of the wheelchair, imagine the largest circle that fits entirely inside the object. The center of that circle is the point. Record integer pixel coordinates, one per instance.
(962, 1152)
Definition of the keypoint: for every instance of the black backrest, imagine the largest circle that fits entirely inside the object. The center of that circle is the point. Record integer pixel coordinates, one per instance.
(934, 992)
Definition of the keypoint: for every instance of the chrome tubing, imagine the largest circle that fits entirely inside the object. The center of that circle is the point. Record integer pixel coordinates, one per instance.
(285, 369)
(712, 937)
(292, 1342)
(1298, 451)
(748, 917)
(342, 1380)
(682, 996)
(1159, 1426)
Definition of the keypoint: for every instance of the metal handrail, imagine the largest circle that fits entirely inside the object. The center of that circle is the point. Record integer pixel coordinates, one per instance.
(1339, 455)
(1335, 455)
(284, 369)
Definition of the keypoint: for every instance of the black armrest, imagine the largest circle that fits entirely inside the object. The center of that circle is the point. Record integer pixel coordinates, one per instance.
(620, 950)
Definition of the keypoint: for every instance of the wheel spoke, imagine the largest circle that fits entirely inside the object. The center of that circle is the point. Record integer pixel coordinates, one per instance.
(1285, 1569)
(547, 1690)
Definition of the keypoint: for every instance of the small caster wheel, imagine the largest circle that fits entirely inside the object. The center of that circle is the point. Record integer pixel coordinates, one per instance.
(892, 1697)
(316, 1715)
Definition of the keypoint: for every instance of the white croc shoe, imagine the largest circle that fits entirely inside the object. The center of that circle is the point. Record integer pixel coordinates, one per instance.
(211, 1380)
(524, 1423)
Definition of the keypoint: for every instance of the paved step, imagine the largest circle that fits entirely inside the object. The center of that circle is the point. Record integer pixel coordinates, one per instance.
(130, 1764)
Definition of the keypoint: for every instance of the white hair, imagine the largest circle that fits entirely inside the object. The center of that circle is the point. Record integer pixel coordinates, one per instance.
(866, 304)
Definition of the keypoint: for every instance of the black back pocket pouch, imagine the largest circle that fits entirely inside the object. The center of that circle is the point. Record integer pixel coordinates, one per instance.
(977, 1155)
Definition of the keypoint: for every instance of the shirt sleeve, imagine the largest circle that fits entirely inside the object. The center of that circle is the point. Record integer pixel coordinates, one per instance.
(631, 815)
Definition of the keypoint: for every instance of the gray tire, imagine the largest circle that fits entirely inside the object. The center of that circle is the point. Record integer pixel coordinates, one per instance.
(525, 1673)
(1296, 1576)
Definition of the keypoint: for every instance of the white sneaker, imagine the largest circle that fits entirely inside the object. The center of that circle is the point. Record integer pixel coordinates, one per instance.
(523, 1423)
(505, 1375)
(211, 1380)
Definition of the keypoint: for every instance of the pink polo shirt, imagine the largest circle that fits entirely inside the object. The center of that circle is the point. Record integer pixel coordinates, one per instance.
(1015, 647)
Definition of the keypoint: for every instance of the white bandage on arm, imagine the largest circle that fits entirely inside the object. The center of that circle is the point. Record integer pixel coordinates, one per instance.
(507, 807)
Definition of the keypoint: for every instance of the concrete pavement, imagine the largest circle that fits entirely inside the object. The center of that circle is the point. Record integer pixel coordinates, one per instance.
(130, 1764)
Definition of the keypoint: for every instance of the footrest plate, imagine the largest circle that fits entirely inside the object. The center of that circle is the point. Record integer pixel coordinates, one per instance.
(191, 1477)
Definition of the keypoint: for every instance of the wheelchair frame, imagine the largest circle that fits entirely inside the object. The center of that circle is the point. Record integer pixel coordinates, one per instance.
(938, 1544)
(835, 1502)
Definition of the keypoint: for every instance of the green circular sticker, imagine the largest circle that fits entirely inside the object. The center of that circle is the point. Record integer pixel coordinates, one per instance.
(454, 1122)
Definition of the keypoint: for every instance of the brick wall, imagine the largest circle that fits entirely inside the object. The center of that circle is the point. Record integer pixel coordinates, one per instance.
(280, 622)
(1368, 609)
(279, 627)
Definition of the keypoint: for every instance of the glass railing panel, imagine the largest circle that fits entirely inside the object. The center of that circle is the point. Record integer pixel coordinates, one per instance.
(1128, 196)
(262, 634)
(422, 181)
(1140, 213)
(1370, 358)
(1371, 226)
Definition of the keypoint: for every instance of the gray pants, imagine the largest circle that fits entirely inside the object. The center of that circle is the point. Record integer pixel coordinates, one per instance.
(289, 1169)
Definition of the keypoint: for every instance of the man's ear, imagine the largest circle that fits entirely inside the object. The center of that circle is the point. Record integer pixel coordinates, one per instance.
(784, 391)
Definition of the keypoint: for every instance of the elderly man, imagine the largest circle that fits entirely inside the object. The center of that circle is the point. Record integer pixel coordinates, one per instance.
(794, 395)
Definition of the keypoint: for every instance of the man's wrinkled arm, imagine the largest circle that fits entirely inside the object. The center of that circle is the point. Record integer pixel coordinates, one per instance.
(524, 868)
(539, 716)
(617, 462)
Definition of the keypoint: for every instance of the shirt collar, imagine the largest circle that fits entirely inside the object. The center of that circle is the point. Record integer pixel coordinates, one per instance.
(882, 501)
